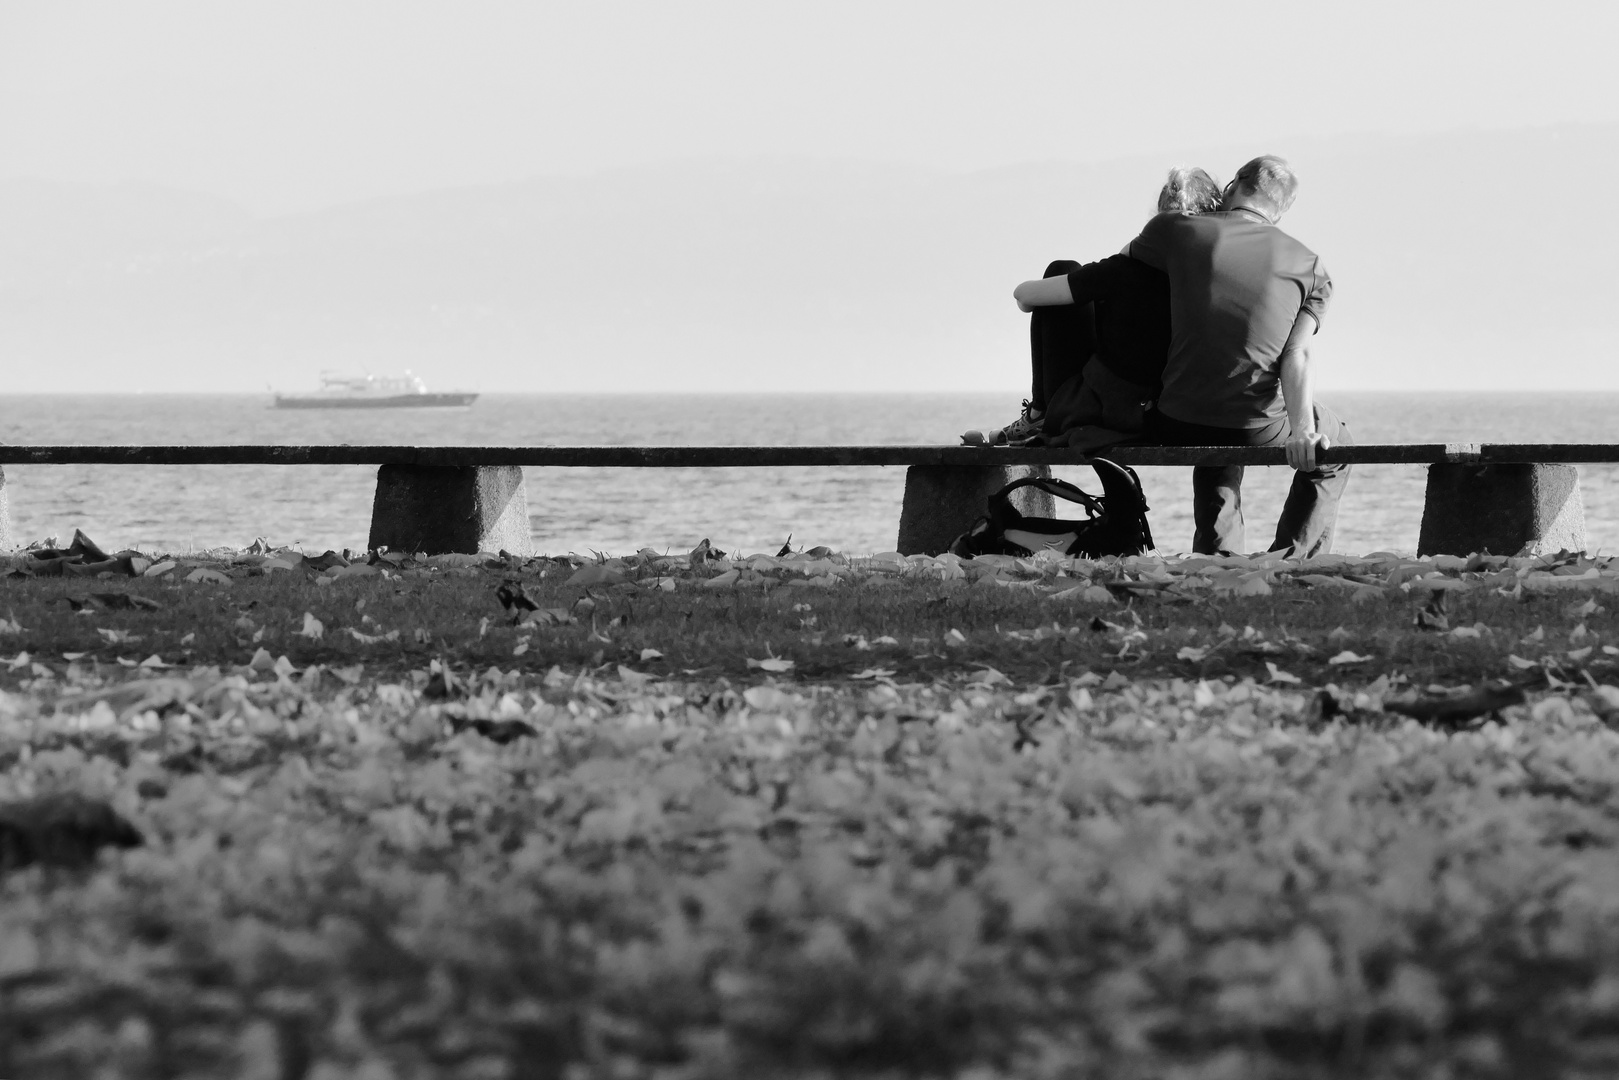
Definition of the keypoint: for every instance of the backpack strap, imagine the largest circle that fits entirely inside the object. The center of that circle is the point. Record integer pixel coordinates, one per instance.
(1121, 487)
(1062, 489)
(1126, 502)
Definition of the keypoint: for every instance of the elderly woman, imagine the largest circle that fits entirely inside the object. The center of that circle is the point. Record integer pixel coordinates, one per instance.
(1098, 338)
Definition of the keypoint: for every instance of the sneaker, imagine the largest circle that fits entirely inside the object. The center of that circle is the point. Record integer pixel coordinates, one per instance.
(1025, 429)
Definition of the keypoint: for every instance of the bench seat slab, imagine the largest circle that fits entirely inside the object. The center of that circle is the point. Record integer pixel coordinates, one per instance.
(1502, 509)
(942, 502)
(441, 509)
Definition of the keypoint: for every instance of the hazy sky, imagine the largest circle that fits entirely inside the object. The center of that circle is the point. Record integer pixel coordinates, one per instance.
(293, 104)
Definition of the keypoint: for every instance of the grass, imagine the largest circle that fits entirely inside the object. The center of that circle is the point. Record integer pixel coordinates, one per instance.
(454, 615)
(1031, 837)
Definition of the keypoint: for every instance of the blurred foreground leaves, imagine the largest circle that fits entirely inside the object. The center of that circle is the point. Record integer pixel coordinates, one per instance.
(1262, 858)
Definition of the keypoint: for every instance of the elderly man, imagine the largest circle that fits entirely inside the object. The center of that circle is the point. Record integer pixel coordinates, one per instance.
(1244, 300)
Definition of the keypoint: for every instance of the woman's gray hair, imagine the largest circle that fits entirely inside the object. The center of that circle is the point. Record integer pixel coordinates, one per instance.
(1190, 190)
(1271, 177)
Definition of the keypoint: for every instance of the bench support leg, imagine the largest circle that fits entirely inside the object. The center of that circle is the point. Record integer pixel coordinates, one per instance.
(440, 509)
(942, 502)
(5, 514)
(1503, 509)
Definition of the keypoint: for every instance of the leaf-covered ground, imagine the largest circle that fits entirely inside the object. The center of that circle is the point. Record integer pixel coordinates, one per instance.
(813, 817)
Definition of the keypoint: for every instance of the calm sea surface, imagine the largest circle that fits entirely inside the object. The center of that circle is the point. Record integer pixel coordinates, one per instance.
(178, 508)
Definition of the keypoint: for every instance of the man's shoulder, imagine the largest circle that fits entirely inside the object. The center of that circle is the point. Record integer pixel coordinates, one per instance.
(1297, 252)
(1285, 248)
(1288, 240)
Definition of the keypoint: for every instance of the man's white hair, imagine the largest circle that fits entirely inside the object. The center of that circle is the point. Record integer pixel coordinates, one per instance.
(1269, 176)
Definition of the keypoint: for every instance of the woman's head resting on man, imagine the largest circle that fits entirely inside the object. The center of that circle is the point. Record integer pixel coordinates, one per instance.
(1188, 190)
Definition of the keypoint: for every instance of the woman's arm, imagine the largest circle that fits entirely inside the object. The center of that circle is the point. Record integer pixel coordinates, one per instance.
(1043, 292)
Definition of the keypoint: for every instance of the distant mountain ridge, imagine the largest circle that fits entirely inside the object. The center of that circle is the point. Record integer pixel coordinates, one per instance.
(1452, 271)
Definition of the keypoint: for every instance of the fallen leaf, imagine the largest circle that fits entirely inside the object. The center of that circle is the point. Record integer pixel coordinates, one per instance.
(770, 663)
(313, 629)
(60, 830)
(1280, 676)
(1452, 710)
(497, 731)
(1253, 585)
(547, 617)
(372, 639)
(723, 581)
(511, 594)
(1347, 657)
(1432, 615)
(126, 602)
(597, 574)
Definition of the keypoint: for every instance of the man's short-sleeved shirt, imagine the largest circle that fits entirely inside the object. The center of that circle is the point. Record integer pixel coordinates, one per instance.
(1132, 316)
(1236, 285)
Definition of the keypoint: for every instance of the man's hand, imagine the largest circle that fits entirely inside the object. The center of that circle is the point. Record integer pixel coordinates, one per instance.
(1301, 448)
(1297, 394)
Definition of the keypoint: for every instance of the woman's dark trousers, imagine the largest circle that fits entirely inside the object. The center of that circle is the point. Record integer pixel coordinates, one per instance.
(1062, 338)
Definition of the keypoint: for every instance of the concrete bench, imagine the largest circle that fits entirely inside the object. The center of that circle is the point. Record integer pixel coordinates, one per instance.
(1499, 497)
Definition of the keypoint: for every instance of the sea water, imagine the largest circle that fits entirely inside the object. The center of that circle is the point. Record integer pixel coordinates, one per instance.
(181, 508)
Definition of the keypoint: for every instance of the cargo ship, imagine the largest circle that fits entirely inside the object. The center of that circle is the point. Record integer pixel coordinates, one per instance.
(373, 392)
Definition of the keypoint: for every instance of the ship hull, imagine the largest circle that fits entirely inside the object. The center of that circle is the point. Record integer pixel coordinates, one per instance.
(381, 401)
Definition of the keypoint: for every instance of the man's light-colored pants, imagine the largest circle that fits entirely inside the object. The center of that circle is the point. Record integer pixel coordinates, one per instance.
(1310, 513)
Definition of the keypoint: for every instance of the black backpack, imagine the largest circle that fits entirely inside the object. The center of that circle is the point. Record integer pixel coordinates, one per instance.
(1115, 524)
